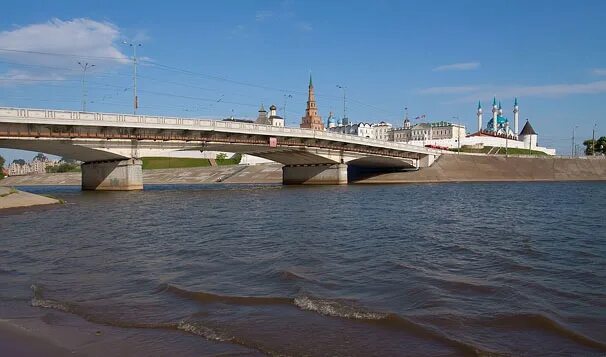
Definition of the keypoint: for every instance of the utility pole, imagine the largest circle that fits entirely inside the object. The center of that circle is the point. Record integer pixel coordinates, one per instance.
(84, 66)
(593, 140)
(507, 138)
(573, 152)
(135, 98)
(458, 126)
(344, 103)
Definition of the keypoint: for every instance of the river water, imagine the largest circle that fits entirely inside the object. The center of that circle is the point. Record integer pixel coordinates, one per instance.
(358, 270)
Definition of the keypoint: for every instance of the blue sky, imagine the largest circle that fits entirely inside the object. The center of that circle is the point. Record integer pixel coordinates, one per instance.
(215, 58)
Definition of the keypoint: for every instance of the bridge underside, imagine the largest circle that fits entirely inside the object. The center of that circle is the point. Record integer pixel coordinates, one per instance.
(111, 154)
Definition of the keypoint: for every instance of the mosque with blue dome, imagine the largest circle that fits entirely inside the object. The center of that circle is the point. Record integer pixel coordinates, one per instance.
(499, 125)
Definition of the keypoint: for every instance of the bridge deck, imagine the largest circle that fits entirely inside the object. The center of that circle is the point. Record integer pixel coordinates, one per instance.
(96, 119)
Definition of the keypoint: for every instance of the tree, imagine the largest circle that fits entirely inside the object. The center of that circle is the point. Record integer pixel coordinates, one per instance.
(598, 146)
(68, 161)
(221, 156)
(40, 157)
(1, 166)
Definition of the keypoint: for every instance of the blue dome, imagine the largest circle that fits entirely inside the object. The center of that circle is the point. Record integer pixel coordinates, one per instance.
(500, 123)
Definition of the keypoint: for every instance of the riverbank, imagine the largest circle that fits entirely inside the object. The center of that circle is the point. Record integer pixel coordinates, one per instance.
(18, 341)
(12, 198)
(448, 168)
(476, 168)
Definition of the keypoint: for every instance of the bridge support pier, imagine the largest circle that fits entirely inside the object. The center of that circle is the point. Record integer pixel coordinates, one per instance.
(328, 174)
(118, 175)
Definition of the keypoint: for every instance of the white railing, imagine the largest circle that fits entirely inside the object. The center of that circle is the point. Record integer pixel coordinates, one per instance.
(63, 117)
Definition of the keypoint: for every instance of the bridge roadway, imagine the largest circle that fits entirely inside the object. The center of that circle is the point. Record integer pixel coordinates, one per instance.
(111, 145)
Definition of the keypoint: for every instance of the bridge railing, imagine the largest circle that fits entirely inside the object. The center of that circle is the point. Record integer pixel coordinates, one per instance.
(63, 117)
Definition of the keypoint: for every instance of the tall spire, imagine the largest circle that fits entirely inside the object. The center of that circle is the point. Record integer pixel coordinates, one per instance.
(500, 105)
(494, 101)
(479, 105)
(311, 120)
(516, 115)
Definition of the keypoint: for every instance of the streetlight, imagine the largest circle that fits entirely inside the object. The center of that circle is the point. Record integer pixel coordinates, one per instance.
(458, 136)
(507, 138)
(84, 66)
(135, 98)
(593, 139)
(573, 152)
(345, 120)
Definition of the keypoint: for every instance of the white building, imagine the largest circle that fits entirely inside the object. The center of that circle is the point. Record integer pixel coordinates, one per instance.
(34, 167)
(273, 118)
(378, 131)
(424, 132)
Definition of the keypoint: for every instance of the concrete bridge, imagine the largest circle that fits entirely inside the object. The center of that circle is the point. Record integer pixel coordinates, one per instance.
(111, 145)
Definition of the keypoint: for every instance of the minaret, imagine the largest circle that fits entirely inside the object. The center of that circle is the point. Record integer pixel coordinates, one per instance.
(479, 113)
(311, 120)
(516, 114)
(495, 110)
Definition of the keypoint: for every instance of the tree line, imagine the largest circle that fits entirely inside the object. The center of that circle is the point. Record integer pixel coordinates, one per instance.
(597, 146)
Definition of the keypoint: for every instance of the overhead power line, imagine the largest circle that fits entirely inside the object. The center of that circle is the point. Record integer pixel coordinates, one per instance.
(190, 72)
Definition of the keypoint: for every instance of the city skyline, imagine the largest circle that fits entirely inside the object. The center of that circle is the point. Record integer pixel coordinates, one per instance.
(435, 60)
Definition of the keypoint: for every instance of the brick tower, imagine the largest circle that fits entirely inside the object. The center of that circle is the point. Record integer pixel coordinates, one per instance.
(311, 120)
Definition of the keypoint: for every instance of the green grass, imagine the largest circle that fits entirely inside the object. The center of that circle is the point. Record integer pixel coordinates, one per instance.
(234, 160)
(65, 167)
(501, 151)
(152, 163)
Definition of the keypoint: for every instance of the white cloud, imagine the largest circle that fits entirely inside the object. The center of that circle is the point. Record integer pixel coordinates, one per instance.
(57, 46)
(546, 90)
(263, 15)
(304, 27)
(465, 66)
(556, 90)
(599, 71)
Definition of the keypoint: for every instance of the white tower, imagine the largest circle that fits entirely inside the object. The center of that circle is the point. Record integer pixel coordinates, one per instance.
(479, 113)
(516, 111)
(495, 110)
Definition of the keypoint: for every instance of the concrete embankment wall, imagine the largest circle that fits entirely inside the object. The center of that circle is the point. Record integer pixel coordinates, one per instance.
(448, 168)
(196, 175)
(461, 168)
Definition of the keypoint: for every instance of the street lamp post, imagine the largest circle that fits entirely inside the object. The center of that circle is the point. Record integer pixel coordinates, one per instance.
(507, 139)
(458, 135)
(344, 103)
(84, 66)
(593, 139)
(135, 98)
(573, 151)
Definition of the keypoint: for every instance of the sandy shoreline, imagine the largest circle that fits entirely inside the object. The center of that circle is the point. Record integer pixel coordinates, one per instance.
(11, 198)
(19, 341)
